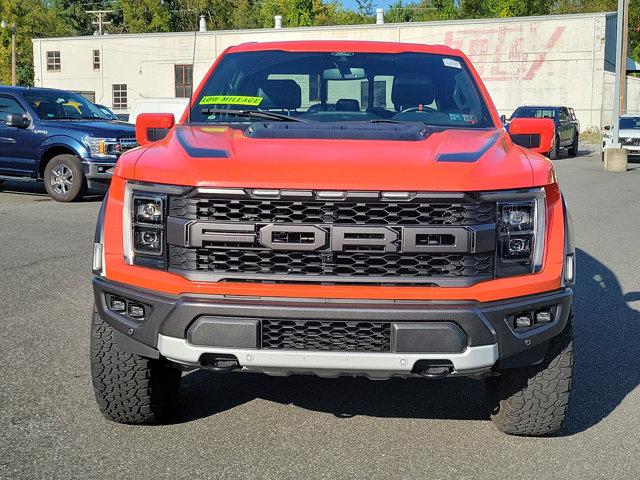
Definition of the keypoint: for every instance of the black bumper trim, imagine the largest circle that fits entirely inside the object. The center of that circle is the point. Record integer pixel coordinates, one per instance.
(481, 323)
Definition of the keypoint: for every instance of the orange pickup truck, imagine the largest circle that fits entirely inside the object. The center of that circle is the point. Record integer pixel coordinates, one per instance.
(336, 208)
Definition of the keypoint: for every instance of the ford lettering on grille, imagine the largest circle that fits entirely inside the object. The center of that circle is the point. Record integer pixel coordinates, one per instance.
(361, 237)
(333, 238)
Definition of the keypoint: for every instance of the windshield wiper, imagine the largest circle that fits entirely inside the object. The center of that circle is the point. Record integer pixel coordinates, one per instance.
(251, 113)
(385, 120)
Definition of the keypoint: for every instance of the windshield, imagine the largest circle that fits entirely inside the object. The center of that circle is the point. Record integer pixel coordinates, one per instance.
(58, 104)
(534, 112)
(342, 87)
(106, 113)
(632, 123)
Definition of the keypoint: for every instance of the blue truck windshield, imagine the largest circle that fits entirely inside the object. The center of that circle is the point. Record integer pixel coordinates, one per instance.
(61, 105)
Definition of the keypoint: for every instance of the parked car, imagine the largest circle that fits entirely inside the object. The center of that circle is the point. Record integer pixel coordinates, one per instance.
(175, 106)
(567, 131)
(398, 234)
(628, 133)
(61, 138)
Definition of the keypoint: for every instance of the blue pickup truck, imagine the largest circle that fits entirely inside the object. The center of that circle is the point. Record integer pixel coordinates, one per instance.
(61, 138)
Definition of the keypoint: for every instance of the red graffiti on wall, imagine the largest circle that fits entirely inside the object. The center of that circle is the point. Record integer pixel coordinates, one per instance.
(498, 53)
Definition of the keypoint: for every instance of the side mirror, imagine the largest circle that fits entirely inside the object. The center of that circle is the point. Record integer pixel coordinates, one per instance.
(607, 127)
(17, 120)
(503, 119)
(151, 127)
(536, 134)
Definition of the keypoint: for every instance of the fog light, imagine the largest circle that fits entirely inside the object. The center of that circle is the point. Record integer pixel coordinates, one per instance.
(543, 316)
(523, 320)
(117, 304)
(136, 310)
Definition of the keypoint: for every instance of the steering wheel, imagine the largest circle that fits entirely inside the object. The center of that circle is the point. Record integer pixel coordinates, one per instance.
(418, 109)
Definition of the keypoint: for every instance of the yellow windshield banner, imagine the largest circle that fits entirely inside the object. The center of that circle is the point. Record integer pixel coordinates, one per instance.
(230, 100)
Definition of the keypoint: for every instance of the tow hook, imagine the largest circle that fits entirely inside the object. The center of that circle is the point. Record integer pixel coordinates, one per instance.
(433, 370)
(220, 363)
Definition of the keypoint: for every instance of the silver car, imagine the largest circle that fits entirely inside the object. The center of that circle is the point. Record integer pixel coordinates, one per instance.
(629, 134)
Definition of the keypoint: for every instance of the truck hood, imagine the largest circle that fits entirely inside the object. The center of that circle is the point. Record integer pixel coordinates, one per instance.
(95, 128)
(450, 160)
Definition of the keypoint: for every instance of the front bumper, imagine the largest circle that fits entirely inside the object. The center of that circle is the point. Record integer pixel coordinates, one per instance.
(486, 339)
(98, 173)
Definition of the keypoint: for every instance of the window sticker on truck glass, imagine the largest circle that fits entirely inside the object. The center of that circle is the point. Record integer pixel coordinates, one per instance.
(450, 62)
(463, 117)
(230, 100)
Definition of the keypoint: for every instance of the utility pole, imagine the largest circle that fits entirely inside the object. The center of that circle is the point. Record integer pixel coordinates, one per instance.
(625, 48)
(621, 63)
(100, 14)
(4, 24)
(615, 157)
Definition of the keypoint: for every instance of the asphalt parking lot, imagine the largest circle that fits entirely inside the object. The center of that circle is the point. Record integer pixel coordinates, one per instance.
(253, 426)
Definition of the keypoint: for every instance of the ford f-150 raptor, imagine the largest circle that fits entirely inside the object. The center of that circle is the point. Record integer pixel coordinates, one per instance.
(336, 208)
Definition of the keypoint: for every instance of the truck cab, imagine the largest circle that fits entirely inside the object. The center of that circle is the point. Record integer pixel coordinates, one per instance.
(61, 138)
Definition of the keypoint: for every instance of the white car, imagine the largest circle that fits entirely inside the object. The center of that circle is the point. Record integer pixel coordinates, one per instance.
(158, 105)
(629, 134)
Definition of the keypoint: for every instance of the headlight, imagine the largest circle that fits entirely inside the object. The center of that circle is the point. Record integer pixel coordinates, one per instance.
(108, 148)
(144, 222)
(521, 229)
(144, 227)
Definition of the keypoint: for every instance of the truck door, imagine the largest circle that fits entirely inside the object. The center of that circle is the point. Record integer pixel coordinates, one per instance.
(17, 145)
(565, 129)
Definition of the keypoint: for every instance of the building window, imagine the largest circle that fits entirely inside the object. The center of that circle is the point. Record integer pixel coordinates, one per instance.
(120, 96)
(314, 88)
(53, 61)
(184, 80)
(96, 59)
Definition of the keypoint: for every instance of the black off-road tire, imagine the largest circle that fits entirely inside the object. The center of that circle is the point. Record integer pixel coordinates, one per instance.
(573, 149)
(69, 168)
(130, 388)
(533, 400)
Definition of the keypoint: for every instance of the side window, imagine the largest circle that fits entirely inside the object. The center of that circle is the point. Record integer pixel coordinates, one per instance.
(349, 90)
(9, 105)
(564, 115)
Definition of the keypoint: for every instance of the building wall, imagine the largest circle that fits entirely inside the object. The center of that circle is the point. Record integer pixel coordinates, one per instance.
(633, 97)
(551, 60)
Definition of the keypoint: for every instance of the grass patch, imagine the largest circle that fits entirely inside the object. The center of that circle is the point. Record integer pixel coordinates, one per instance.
(591, 137)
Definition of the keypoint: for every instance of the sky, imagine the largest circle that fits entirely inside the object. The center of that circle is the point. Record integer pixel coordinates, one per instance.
(351, 4)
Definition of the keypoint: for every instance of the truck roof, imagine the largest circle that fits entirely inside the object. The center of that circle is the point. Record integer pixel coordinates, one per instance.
(342, 45)
(10, 89)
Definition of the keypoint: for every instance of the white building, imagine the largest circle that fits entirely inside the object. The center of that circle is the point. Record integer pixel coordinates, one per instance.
(532, 60)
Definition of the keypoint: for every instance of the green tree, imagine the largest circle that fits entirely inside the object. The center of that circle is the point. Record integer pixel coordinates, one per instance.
(32, 19)
(141, 16)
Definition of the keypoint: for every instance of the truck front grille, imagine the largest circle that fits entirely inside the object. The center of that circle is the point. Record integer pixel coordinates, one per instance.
(326, 335)
(347, 264)
(230, 235)
(339, 212)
